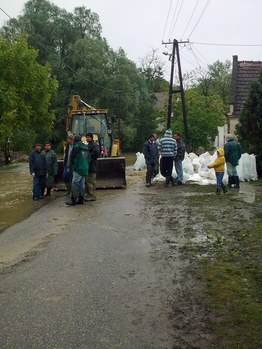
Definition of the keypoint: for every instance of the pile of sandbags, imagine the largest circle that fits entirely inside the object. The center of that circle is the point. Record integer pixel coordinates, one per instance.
(196, 171)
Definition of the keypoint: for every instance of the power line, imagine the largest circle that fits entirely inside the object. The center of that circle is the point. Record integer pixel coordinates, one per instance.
(201, 15)
(190, 18)
(220, 44)
(171, 32)
(203, 57)
(167, 19)
(66, 65)
(199, 65)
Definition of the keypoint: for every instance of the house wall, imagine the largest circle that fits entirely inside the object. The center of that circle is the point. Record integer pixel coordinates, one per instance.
(221, 137)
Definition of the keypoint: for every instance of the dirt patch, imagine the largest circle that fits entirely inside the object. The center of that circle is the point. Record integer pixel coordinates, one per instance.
(213, 246)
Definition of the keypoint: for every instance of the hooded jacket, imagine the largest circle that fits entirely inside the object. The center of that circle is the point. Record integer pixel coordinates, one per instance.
(167, 145)
(232, 151)
(80, 158)
(219, 163)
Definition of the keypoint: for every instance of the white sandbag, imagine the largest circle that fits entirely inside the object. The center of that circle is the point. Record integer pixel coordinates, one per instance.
(246, 168)
(192, 156)
(205, 159)
(196, 164)
(187, 166)
(140, 163)
(159, 178)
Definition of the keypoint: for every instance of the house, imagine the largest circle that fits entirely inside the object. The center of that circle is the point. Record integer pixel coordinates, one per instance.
(243, 72)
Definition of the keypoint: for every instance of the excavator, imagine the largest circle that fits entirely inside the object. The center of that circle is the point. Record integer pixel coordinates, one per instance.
(81, 119)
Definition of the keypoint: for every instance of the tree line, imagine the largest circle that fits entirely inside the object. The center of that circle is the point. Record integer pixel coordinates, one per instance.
(50, 54)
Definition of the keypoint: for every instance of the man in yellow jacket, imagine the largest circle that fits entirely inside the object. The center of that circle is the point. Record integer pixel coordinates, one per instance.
(219, 167)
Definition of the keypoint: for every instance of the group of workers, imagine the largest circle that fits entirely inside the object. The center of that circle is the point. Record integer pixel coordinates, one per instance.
(172, 151)
(43, 168)
(80, 167)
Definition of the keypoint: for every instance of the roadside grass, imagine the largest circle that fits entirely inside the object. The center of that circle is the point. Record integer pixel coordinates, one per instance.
(8, 167)
(229, 264)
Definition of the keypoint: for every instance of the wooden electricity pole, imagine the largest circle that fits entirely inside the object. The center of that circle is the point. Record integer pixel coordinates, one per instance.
(175, 52)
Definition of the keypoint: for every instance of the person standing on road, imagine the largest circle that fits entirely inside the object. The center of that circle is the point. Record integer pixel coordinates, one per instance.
(51, 161)
(233, 153)
(38, 170)
(219, 165)
(181, 149)
(91, 177)
(156, 169)
(80, 160)
(168, 151)
(68, 172)
(150, 151)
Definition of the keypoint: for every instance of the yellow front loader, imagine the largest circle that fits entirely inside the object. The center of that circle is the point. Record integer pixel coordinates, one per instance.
(82, 118)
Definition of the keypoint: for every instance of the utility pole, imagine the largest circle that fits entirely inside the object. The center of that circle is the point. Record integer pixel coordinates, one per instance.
(175, 51)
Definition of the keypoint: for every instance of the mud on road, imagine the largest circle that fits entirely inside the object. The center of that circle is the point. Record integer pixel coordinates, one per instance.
(205, 251)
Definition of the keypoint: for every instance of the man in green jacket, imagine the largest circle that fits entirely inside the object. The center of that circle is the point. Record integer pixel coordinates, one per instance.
(80, 159)
(232, 154)
(51, 161)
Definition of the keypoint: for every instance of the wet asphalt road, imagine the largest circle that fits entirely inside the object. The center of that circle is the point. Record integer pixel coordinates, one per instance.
(84, 277)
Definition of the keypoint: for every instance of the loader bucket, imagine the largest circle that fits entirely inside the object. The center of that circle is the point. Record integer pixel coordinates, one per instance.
(111, 173)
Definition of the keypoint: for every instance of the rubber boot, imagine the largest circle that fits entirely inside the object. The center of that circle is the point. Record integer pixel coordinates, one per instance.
(167, 181)
(72, 202)
(218, 191)
(48, 192)
(236, 181)
(224, 189)
(42, 191)
(172, 182)
(230, 181)
(80, 200)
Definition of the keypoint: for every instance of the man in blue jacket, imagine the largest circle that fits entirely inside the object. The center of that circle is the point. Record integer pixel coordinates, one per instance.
(38, 170)
(150, 151)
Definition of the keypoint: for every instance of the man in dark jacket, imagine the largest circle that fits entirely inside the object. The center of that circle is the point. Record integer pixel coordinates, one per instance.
(150, 151)
(68, 172)
(91, 177)
(80, 164)
(38, 170)
(232, 154)
(51, 161)
(180, 155)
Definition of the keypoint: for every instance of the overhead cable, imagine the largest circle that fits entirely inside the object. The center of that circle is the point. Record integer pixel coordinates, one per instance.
(190, 19)
(201, 15)
(171, 33)
(220, 44)
(167, 19)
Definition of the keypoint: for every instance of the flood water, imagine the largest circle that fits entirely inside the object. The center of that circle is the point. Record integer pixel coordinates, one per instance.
(16, 192)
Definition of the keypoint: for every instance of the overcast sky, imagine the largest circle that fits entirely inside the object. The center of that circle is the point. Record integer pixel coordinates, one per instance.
(138, 26)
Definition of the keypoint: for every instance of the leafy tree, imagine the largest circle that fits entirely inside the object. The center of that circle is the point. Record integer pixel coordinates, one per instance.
(25, 93)
(249, 127)
(84, 64)
(216, 80)
(152, 70)
(204, 115)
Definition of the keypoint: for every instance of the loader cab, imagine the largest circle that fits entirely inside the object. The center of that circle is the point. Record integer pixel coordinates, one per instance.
(96, 123)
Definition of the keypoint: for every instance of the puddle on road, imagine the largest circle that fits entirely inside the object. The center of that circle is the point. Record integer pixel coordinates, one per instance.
(15, 196)
(247, 193)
